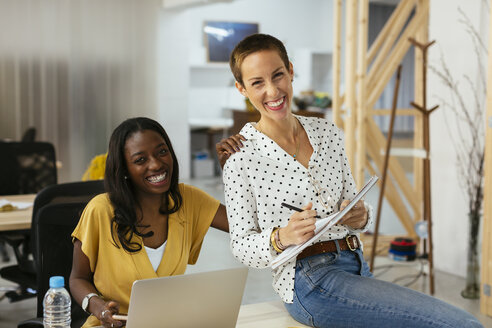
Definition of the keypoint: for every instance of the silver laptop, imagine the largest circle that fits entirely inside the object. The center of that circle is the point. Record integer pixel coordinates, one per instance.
(206, 299)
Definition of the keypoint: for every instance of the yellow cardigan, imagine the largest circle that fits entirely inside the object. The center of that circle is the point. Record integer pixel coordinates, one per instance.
(115, 270)
(96, 168)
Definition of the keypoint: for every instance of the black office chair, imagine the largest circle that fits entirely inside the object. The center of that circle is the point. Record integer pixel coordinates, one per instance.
(25, 168)
(24, 272)
(52, 229)
(29, 135)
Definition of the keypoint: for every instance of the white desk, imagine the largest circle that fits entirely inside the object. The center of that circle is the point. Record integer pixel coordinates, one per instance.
(18, 219)
(218, 123)
(269, 314)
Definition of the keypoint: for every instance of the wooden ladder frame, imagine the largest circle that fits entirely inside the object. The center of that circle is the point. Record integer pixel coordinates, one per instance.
(486, 266)
(367, 73)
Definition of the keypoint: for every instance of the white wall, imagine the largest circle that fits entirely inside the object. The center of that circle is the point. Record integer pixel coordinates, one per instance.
(299, 24)
(205, 92)
(172, 85)
(449, 207)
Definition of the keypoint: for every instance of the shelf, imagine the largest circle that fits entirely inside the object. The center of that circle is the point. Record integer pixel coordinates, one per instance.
(313, 70)
(210, 66)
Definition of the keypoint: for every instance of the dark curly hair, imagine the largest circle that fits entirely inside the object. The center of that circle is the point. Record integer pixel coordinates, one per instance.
(122, 191)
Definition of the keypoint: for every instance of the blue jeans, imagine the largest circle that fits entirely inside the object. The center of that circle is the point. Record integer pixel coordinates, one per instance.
(338, 290)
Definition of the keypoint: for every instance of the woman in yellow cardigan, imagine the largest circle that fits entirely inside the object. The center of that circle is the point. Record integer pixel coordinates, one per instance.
(147, 225)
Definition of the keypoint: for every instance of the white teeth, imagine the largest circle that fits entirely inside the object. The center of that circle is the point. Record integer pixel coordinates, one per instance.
(276, 103)
(157, 178)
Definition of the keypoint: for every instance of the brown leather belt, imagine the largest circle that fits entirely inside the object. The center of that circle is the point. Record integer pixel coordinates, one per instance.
(348, 243)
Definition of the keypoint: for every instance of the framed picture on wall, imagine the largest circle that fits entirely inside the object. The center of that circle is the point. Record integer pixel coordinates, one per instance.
(222, 37)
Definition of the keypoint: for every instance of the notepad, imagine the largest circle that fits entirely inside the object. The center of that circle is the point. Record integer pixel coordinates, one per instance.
(322, 225)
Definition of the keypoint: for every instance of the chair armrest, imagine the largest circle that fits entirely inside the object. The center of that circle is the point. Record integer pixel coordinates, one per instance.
(38, 323)
(31, 323)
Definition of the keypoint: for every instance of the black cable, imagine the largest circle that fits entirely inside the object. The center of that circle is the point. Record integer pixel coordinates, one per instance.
(415, 278)
(388, 267)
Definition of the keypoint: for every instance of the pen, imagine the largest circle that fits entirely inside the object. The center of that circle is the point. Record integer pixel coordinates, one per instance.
(291, 207)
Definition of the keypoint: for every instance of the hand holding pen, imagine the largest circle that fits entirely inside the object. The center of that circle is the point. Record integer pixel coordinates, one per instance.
(356, 218)
(301, 225)
(297, 209)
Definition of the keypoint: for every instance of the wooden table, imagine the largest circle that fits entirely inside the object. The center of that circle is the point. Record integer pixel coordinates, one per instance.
(18, 219)
(268, 314)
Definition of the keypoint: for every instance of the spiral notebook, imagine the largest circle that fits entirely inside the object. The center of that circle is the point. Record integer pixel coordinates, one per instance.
(322, 225)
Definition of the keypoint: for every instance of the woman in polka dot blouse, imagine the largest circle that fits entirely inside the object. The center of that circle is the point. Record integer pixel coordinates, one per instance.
(301, 161)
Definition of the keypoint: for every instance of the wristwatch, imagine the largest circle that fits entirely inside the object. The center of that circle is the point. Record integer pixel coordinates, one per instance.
(85, 301)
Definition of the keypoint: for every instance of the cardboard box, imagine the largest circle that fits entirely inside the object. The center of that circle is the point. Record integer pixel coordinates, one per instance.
(203, 167)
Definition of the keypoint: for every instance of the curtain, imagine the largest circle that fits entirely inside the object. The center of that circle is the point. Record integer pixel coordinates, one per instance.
(74, 70)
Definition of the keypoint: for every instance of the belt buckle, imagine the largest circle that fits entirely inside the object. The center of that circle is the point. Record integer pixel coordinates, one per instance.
(353, 249)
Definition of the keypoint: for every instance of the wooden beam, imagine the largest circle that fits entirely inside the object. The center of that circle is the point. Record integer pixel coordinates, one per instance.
(337, 50)
(399, 112)
(421, 36)
(384, 173)
(391, 193)
(395, 168)
(394, 60)
(350, 92)
(400, 19)
(361, 94)
(382, 246)
(486, 271)
(376, 44)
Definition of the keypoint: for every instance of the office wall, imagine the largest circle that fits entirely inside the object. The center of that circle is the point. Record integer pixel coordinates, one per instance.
(449, 206)
(299, 24)
(187, 90)
(172, 83)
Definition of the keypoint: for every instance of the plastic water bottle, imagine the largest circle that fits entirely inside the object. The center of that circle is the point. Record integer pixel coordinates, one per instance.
(57, 304)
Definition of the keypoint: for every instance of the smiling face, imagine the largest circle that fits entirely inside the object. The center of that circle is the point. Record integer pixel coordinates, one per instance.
(149, 163)
(267, 83)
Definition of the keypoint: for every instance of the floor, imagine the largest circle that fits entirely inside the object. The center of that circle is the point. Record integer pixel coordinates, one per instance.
(215, 255)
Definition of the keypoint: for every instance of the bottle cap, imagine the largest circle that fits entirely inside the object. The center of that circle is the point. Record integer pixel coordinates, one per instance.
(57, 282)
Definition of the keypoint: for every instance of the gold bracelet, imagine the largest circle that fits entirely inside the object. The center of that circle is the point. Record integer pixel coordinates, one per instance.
(272, 241)
(277, 240)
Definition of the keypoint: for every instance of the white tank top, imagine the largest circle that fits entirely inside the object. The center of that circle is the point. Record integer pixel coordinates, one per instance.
(155, 255)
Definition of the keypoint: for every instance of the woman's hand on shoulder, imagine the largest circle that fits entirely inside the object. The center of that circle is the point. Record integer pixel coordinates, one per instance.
(228, 146)
(356, 218)
(300, 228)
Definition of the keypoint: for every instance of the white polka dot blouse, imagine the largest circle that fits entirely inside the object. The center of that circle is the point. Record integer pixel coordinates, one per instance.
(262, 176)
